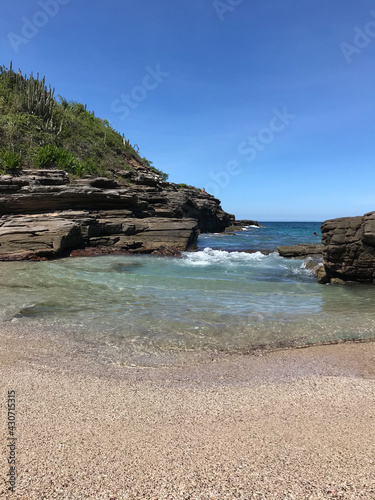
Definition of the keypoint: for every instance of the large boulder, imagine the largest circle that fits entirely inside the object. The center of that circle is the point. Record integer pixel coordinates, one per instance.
(349, 249)
(24, 237)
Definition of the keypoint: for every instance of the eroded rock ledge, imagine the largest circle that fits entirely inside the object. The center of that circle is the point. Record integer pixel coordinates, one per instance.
(348, 250)
(300, 251)
(44, 215)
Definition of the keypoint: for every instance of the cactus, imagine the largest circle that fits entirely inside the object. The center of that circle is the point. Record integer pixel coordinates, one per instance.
(125, 142)
(35, 98)
(40, 101)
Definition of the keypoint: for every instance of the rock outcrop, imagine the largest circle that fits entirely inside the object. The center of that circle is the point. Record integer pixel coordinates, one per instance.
(44, 215)
(238, 225)
(348, 250)
(300, 251)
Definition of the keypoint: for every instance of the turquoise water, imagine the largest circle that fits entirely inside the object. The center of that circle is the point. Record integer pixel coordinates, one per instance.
(212, 300)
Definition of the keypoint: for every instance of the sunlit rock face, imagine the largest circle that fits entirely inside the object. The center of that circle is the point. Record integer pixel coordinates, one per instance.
(44, 214)
(349, 248)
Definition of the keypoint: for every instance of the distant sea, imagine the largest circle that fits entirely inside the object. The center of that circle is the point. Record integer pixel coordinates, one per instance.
(217, 299)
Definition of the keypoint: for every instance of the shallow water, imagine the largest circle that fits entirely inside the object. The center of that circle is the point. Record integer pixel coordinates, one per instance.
(209, 300)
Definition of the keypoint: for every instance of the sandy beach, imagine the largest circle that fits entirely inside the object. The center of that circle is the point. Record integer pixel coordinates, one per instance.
(292, 424)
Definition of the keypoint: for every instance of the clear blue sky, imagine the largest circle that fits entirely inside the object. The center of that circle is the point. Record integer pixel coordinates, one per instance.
(269, 104)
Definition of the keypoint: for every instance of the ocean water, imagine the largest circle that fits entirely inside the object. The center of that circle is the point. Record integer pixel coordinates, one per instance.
(272, 235)
(217, 299)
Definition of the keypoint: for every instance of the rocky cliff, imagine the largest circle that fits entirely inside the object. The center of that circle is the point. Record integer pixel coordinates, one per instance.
(348, 250)
(70, 181)
(43, 214)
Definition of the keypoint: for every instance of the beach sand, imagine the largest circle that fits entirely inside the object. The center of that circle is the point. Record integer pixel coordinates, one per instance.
(292, 424)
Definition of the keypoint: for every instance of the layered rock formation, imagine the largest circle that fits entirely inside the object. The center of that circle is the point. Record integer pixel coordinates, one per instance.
(300, 251)
(43, 214)
(348, 250)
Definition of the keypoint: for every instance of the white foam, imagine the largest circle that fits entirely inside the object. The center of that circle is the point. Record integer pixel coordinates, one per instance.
(246, 228)
(311, 270)
(209, 256)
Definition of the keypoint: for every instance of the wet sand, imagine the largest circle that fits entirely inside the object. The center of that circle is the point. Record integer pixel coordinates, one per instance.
(292, 424)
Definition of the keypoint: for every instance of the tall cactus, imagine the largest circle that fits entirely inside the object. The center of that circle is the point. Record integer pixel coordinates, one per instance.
(35, 98)
(38, 100)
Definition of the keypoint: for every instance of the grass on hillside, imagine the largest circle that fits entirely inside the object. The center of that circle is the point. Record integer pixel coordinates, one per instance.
(39, 131)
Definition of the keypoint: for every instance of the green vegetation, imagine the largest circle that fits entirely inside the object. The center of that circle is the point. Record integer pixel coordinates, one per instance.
(48, 156)
(39, 131)
(10, 162)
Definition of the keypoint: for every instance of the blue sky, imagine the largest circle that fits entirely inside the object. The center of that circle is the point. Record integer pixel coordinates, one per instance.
(268, 104)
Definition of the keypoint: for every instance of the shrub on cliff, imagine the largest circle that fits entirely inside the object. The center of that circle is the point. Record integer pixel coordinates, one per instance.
(49, 156)
(10, 162)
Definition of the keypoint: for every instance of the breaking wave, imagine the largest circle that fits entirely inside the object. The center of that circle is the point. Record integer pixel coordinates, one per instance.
(209, 256)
